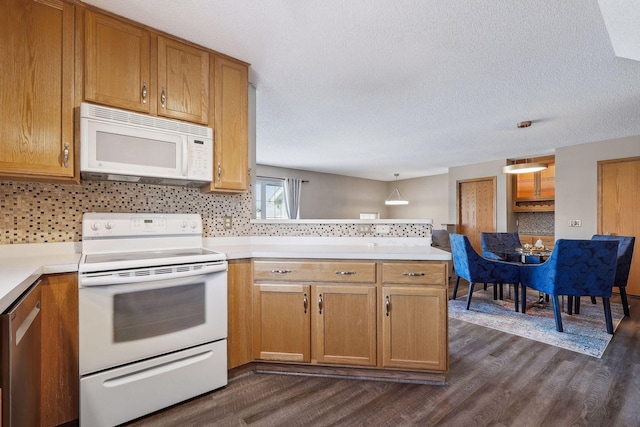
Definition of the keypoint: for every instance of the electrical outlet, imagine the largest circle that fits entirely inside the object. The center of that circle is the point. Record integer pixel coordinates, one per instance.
(227, 222)
(382, 229)
(575, 223)
(364, 228)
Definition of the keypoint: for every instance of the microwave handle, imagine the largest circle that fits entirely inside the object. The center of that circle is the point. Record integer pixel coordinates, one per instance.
(185, 156)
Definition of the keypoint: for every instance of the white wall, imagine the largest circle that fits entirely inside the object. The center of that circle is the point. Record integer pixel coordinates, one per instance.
(481, 170)
(577, 183)
(328, 196)
(428, 199)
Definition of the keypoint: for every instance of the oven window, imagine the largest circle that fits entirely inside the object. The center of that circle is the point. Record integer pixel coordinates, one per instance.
(155, 312)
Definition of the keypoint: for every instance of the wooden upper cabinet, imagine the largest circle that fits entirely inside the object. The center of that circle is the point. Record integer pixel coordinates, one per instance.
(117, 63)
(36, 100)
(183, 81)
(231, 131)
(535, 192)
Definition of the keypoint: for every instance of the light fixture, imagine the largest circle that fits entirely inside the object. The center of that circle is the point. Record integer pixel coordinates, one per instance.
(395, 198)
(524, 167)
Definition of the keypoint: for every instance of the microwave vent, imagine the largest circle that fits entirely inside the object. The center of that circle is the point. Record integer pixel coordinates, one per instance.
(124, 117)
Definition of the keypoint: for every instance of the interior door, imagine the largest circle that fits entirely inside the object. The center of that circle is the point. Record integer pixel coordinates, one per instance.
(618, 205)
(476, 209)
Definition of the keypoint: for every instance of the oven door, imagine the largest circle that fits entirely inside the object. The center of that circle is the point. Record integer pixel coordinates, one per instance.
(147, 317)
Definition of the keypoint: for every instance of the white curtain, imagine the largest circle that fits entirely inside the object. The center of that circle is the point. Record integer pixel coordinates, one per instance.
(292, 188)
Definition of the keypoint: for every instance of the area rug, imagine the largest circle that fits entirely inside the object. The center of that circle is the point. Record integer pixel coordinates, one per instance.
(583, 333)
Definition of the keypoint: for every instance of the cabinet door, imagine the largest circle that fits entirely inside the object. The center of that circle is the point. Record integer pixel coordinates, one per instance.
(183, 81)
(59, 364)
(281, 322)
(414, 334)
(116, 68)
(230, 82)
(239, 317)
(547, 183)
(36, 100)
(345, 324)
(525, 186)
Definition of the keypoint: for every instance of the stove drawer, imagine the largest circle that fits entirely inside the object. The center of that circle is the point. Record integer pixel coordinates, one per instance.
(118, 395)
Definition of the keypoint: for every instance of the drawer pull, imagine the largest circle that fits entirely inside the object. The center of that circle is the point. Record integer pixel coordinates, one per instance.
(320, 304)
(413, 274)
(281, 271)
(346, 273)
(387, 304)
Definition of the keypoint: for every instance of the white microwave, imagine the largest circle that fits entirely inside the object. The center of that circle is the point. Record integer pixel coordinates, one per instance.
(118, 145)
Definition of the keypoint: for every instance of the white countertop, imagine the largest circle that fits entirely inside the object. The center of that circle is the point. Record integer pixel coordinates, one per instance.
(22, 264)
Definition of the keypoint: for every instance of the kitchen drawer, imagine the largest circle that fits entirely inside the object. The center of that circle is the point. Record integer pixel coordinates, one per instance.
(416, 273)
(315, 271)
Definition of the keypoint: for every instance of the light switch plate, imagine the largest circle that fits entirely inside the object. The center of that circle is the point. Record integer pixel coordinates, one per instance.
(575, 223)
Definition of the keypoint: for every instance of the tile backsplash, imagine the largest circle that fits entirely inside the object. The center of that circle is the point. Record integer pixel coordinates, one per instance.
(536, 223)
(43, 213)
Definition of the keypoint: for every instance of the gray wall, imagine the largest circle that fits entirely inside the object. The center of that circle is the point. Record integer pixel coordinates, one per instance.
(428, 199)
(577, 183)
(328, 196)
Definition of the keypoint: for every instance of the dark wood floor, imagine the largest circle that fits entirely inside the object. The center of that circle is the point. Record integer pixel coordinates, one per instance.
(495, 379)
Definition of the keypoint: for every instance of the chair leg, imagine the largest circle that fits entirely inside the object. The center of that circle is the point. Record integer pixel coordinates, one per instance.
(577, 305)
(501, 291)
(569, 305)
(556, 313)
(515, 297)
(625, 301)
(607, 315)
(455, 287)
(485, 287)
(523, 297)
(495, 291)
(469, 295)
(593, 300)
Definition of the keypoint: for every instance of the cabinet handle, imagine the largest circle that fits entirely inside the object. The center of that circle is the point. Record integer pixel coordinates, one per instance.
(65, 155)
(346, 273)
(413, 274)
(144, 92)
(281, 271)
(163, 97)
(320, 304)
(387, 305)
(304, 303)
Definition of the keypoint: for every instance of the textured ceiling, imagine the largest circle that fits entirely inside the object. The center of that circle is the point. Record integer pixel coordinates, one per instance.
(367, 88)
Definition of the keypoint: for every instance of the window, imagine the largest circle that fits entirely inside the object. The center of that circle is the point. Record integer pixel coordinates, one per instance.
(270, 199)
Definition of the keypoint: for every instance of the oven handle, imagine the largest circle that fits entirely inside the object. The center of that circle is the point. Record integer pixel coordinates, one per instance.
(107, 278)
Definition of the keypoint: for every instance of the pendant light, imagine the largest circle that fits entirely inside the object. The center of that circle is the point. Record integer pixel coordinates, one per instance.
(395, 198)
(525, 167)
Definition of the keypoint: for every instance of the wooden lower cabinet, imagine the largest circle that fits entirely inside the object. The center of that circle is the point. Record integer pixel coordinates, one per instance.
(281, 322)
(59, 357)
(367, 314)
(414, 330)
(344, 324)
(240, 314)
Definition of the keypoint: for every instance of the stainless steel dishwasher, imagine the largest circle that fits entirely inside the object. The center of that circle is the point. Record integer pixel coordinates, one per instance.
(20, 360)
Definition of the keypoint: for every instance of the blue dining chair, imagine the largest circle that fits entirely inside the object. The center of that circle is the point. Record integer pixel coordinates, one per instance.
(623, 264)
(575, 268)
(474, 268)
(502, 246)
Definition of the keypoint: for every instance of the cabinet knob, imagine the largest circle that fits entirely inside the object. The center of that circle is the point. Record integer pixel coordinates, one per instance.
(163, 98)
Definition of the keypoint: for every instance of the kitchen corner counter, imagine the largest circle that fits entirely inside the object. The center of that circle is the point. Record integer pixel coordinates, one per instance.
(409, 249)
(21, 265)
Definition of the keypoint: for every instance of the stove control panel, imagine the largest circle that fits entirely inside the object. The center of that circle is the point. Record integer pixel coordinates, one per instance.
(96, 225)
